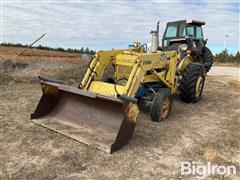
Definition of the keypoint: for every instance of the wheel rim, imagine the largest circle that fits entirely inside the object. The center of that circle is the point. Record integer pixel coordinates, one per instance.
(166, 107)
(199, 86)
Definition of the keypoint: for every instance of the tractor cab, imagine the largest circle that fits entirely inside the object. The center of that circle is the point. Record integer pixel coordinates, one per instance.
(188, 34)
(180, 31)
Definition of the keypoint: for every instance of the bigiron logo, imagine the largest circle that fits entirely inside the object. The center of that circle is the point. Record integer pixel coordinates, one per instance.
(202, 171)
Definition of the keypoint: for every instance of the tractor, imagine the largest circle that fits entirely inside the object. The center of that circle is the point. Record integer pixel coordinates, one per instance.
(190, 34)
(102, 110)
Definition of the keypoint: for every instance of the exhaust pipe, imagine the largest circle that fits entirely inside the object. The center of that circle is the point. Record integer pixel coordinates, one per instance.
(155, 39)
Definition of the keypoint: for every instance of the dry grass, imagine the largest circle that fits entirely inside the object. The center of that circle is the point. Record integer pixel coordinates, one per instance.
(33, 55)
(69, 72)
(67, 67)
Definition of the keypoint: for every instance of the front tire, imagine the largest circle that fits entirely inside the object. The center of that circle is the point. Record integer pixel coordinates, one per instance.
(161, 105)
(192, 83)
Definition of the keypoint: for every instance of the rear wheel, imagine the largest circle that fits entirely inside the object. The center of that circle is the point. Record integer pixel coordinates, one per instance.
(192, 83)
(161, 105)
(207, 58)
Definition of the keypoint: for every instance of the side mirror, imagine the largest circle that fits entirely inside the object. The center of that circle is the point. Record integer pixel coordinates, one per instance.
(205, 41)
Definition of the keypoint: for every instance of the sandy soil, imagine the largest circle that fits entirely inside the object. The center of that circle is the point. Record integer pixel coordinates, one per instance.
(228, 72)
(205, 131)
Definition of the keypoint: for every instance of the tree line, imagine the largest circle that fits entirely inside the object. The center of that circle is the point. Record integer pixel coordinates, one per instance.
(82, 50)
(226, 57)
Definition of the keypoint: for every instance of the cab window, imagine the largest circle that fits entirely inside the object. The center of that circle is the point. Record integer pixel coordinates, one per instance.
(190, 31)
(199, 34)
(171, 31)
(182, 30)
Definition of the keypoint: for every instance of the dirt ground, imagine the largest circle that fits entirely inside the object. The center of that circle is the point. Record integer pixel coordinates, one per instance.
(206, 131)
(228, 72)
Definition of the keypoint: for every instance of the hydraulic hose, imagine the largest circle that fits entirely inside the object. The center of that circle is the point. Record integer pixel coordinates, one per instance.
(127, 98)
(115, 85)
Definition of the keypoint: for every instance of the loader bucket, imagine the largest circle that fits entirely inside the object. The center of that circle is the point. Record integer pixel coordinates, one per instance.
(93, 119)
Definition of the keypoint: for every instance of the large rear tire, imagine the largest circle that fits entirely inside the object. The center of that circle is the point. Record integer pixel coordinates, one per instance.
(207, 58)
(161, 105)
(192, 83)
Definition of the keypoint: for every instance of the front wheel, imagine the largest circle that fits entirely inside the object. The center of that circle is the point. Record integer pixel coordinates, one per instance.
(161, 105)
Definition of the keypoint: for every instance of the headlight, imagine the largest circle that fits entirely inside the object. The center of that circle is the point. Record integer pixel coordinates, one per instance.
(183, 47)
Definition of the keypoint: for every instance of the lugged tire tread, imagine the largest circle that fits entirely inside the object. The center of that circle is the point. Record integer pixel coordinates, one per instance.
(188, 82)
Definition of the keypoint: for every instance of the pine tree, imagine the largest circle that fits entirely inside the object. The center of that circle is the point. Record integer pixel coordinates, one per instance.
(87, 50)
(237, 58)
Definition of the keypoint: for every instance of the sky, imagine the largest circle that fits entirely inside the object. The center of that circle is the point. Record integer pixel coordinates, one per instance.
(107, 24)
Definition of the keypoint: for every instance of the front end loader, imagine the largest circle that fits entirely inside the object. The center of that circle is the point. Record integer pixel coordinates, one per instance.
(102, 111)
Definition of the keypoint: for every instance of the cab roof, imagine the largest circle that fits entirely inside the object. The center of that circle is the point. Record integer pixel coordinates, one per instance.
(189, 21)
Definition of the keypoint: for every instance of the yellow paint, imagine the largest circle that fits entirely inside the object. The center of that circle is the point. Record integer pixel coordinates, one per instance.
(106, 89)
(49, 90)
(137, 67)
(133, 112)
(161, 78)
(183, 64)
